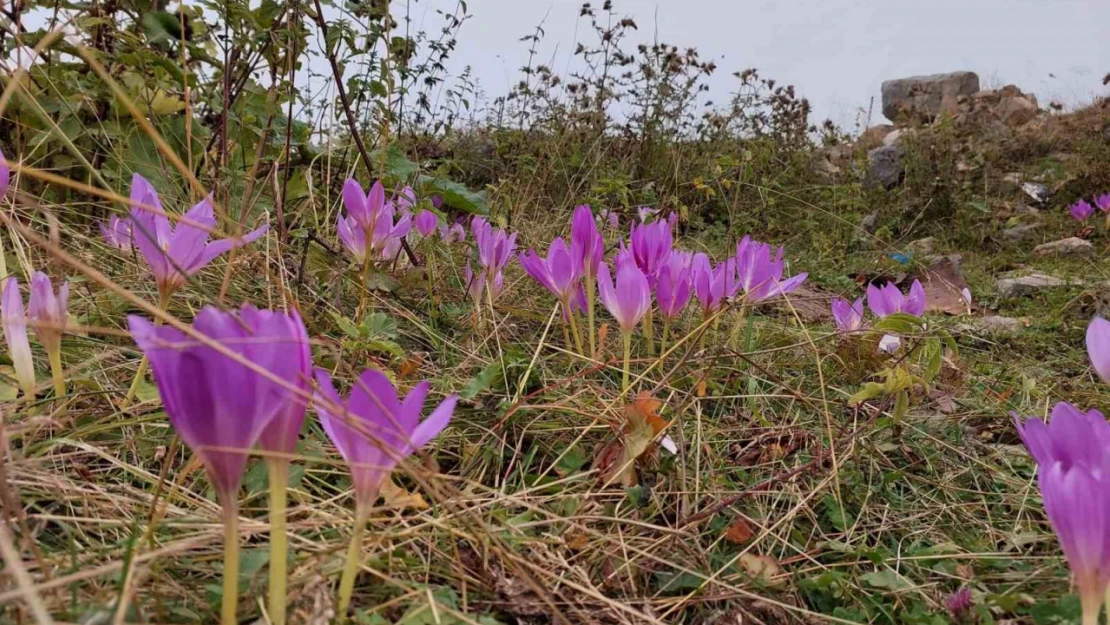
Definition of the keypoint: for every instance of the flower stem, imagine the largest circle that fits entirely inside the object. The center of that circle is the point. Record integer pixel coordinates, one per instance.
(364, 275)
(350, 567)
(57, 372)
(649, 330)
(278, 469)
(231, 563)
(140, 373)
(591, 281)
(571, 317)
(627, 356)
(666, 334)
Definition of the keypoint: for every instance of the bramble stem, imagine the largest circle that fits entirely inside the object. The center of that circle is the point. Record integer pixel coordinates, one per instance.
(350, 567)
(278, 469)
(231, 563)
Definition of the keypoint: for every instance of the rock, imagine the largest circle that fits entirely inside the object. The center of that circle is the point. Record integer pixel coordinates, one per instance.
(921, 247)
(1018, 110)
(874, 136)
(1071, 246)
(867, 224)
(832, 160)
(898, 135)
(998, 325)
(923, 98)
(884, 166)
(1019, 233)
(1038, 192)
(1029, 285)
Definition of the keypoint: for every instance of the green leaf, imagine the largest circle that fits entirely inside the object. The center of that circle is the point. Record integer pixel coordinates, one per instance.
(380, 325)
(869, 390)
(160, 26)
(835, 513)
(900, 323)
(397, 166)
(482, 381)
(886, 579)
(348, 327)
(455, 195)
(382, 282)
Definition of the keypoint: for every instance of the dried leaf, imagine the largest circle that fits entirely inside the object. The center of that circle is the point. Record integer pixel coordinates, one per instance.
(398, 498)
(739, 532)
(944, 402)
(616, 461)
(602, 334)
(577, 540)
(700, 390)
(762, 568)
(410, 366)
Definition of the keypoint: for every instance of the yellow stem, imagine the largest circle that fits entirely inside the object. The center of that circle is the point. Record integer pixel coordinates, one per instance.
(350, 567)
(590, 288)
(666, 334)
(627, 356)
(279, 477)
(57, 372)
(649, 330)
(571, 315)
(231, 564)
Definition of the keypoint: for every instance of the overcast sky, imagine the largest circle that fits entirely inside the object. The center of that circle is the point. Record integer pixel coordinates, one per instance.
(836, 52)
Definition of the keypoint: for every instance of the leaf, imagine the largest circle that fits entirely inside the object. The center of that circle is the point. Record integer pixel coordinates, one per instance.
(886, 579)
(399, 499)
(409, 366)
(740, 532)
(382, 282)
(901, 323)
(347, 326)
(455, 195)
(869, 390)
(764, 569)
(617, 461)
(380, 325)
(482, 381)
(165, 104)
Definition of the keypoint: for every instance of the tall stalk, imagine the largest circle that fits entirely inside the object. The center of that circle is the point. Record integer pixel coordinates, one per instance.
(591, 287)
(350, 567)
(231, 562)
(649, 330)
(140, 373)
(627, 336)
(57, 373)
(571, 319)
(278, 469)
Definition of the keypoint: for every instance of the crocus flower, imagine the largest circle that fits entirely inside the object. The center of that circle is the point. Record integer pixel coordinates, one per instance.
(352, 236)
(1081, 210)
(1071, 437)
(651, 244)
(1102, 202)
(437, 201)
(888, 300)
(848, 317)
(451, 234)
(48, 311)
(586, 245)
(712, 285)
(15, 334)
(495, 246)
(404, 199)
(759, 274)
(117, 232)
(363, 208)
(672, 286)
(218, 405)
(374, 430)
(386, 230)
(609, 216)
(426, 223)
(5, 174)
(558, 273)
(628, 299)
(280, 435)
(1098, 347)
(176, 253)
(476, 285)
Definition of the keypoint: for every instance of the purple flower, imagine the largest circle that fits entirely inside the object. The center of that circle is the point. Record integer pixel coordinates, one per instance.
(651, 244)
(374, 430)
(404, 199)
(451, 234)
(426, 223)
(888, 300)
(352, 236)
(712, 285)
(1098, 347)
(437, 201)
(586, 245)
(760, 274)
(848, 317)
(280, 435)
(1102, 202)
(218, 404)
(476, 285)
(14, 321)
(48, 311)
(629, 299)
(5, 175)
(1077, 501)
(175, 254)
(1081, 210)
(607, 215)
(1071, 437)
(672, 285)
(117, 232)
(958, 603)
(362, 207)
(495, 246)
(558, 273)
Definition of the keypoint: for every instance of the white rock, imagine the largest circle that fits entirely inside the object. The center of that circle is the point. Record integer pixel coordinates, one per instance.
(1071, 246)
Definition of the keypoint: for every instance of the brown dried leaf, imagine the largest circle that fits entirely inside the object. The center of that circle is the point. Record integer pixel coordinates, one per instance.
(410, 366)
(399, 498)
(762, 568)
(577, 540)
(739, 532)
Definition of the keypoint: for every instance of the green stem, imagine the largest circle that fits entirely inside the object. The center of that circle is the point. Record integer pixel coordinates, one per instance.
(649, 330)
(350, 567)
(231, 563)
(571, 317)
(430, 271)
(364, 275)
(591, 282)
(57, 372)
(140, 373)
(627, 356)
(278, 469)
(666, 335)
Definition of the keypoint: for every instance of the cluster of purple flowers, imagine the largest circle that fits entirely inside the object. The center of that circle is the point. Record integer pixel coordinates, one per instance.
(1082, 210)
(1072, 451)
(885, 300)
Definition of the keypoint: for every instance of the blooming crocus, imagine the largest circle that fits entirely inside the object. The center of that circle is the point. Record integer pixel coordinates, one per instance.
(848, 316)
(587, 249)
(117, 232)
(363, 208)
(888, 299)
(451, 234)
(495, 248)
(48, 312)
(1102, 202)
(426, 223)
(437, 201)
(386, 230)
(1098, 347)
(672, 291)
(645, 213)
(476, 285)
(176, 253)
(1081, 210)
(628, 301)
(374, 430)
(404, 199)
(353, 237)
(219, 404)
(559, 274)
(1071, 437)
(760, 274)
(15, 334)
(712, 285)
(650, 244)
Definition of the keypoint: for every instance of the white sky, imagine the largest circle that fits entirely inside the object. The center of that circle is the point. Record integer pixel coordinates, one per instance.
(835, 52)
